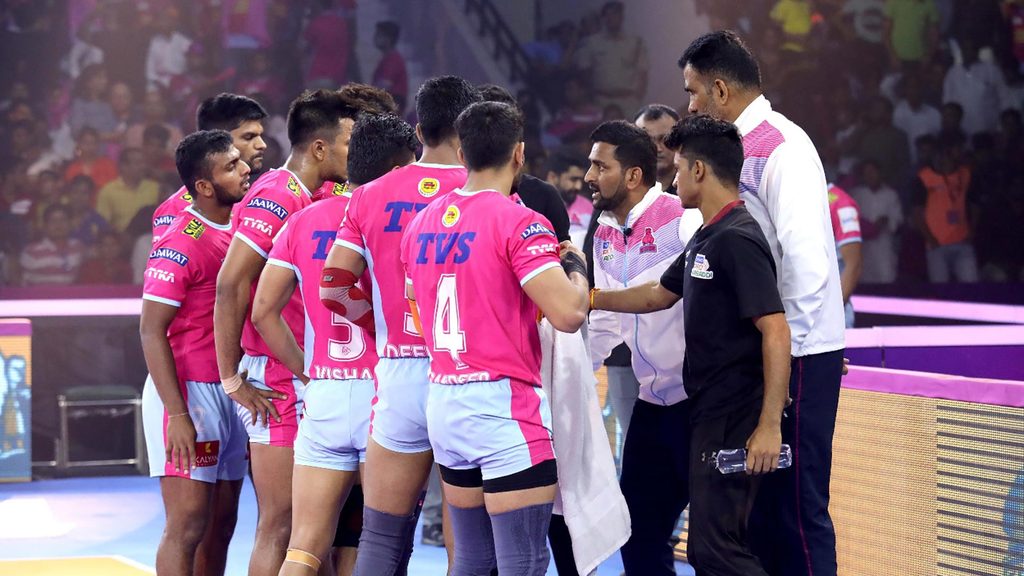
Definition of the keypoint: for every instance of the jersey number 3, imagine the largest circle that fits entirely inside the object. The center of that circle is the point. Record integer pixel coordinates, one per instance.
(448, 334)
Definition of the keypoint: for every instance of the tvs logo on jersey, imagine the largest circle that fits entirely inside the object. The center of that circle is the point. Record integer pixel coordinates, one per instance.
(165, 220)
(169, 254)
(270, 206)
(207, 453)
(194, 228)
(702, 268)
(451, 216)
(293, 187)
(429, 186)
(535, 229)
(647, 243)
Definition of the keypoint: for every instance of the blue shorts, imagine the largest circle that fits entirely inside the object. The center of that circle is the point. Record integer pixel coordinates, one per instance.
(399, 418)
(220, 436)
(335, 423)
(269, 374)
(501, 427)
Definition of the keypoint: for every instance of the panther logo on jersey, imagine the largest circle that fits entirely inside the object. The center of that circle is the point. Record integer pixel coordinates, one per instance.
(429, 186)
(451, 216)
(293, 186)
(194, 228)
(339, 189)
(187, 196)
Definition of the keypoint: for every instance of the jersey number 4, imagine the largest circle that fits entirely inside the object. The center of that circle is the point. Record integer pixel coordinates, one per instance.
(448, 334)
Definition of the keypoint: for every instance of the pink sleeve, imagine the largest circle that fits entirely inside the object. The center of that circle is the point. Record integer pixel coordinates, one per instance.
(282, 253)
(262, 218)
(845, 220)
(349, 234)
(168, 275)
(532, 247)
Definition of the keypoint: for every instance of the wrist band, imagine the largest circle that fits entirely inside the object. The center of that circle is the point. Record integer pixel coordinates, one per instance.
(169, 416)
(593, 292)
(232, 384)
(573, 263)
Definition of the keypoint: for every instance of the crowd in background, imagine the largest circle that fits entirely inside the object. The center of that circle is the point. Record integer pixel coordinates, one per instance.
(897, 95)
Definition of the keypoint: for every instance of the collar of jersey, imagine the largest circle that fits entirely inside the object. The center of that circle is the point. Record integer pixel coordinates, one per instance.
(191, 210)
(297, 180)
(462, 192)
(608, 219)
(752, 116)
(443, 166)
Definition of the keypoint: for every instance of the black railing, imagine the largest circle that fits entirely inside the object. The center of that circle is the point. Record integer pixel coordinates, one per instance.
(506, 47)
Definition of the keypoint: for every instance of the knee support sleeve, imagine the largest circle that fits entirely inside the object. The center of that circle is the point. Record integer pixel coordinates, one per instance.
(520, 540)
(382, 543)
(474, 541)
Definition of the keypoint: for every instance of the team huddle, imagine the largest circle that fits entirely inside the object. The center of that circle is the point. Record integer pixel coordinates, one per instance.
(346, 322)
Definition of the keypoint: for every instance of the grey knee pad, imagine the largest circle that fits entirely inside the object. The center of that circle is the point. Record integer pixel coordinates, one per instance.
(410, 527)
(382, 543)
(474, 542)
(520, 540)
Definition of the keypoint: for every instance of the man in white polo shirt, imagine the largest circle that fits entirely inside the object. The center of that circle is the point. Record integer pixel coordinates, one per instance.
(784, 188)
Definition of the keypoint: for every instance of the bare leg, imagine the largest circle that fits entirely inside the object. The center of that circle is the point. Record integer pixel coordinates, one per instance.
(187, 505)
(272, 479)
(317, 497)
(212, 555)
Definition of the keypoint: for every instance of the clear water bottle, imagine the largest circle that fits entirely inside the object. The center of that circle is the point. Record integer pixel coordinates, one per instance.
(732, 461)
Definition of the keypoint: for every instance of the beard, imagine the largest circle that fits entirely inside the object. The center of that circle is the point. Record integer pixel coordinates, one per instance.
(602, 202)
(225, 198)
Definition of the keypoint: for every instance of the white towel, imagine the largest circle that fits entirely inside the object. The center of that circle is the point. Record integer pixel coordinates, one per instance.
(589, 496)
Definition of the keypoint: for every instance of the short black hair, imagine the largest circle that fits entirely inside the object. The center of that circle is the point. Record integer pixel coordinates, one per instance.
(439, 102)
(82, 180)
(227, 111)
(53, 209)
(316, 114)
(495, 93)
(654, 112)
(192, 157)
(717, 143)
(389, 29)
(634, 147)
(369, 99)
(157, 132)
(489, 132)
(379, 142)
(560, 162)
(83, 131)
(724, 55)
(122, 157)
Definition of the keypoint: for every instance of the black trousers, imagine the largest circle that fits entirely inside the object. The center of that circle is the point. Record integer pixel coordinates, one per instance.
(790, 527)
(655, 483)
(561, 546)
(721, 503)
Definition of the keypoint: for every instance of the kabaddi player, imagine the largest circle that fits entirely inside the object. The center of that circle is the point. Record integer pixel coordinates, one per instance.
(265, 390)
(243, 118)
(736, 363)
(481, 266)
(195, 441)
(339, 357)
(398, 456)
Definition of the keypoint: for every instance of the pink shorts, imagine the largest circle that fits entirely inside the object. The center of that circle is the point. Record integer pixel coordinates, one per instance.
(269, 374)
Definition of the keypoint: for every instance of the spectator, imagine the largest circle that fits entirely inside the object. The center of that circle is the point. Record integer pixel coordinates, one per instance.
(978, 86)
(911, 30)
(122, 198)
(941, 214)
(154, 111)
(90, 106)
(159, 163)
(194, 83)
(913, 116)
(109, 265)
(260, 81)
(577, 117)
(122, 103)
(924, 150)
(124, 38)
(1015, 19)
(329, 45)
(89, 161)
(881, 215)
(658, 120)
(616, 62)
(793, 17)
(952, 121)
(167, 50)
(57, 257)
(883, 143)
(46, 193)
(390, 73)
(86, 222)
(244, 25)
(1010, 139)
(565, 172)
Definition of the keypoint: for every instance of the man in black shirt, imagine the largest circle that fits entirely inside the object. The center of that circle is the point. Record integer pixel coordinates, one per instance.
(736, 369)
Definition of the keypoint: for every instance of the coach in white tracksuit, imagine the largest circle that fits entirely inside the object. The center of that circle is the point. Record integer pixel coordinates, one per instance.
(641, 231)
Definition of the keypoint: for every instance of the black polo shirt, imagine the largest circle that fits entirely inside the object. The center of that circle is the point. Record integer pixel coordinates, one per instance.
(726, 276)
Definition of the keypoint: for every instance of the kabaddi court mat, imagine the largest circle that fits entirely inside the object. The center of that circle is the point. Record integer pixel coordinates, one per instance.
(111, 526)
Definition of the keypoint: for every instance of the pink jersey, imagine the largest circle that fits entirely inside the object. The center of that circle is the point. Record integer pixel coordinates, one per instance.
(270, 201)
(330, 189)
(335, 348)
(373, 227)
(169, 210)
(182, 272)
(845, 216)
(468, 257)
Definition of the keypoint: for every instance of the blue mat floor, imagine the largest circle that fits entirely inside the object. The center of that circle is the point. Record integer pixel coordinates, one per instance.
(123, 516)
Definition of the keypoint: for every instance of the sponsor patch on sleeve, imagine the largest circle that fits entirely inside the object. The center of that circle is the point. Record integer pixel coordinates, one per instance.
(535, 229)
(270, 206)
(169, 254)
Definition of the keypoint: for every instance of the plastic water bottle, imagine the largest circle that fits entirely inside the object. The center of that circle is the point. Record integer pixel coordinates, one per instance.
(733, 461)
